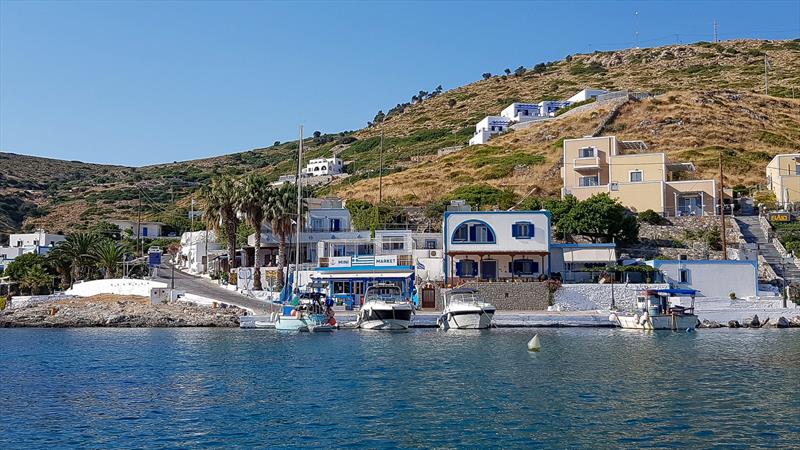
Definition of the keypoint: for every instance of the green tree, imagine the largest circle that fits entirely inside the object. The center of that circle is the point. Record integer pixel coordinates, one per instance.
(220, 212)
(35, 278)
(16, 269)
(601, 218)
(253, 199)
(60, 261)
(80, 248)
(108, 255)
(280, 212)
(107, 230)
(484, 196)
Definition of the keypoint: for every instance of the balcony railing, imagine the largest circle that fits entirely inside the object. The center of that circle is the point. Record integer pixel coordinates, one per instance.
(586, 164)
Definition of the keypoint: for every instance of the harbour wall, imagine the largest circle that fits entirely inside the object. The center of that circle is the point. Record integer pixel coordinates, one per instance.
(521, 296)
(585, 297)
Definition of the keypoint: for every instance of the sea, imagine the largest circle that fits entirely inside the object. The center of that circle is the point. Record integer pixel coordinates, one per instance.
(425, 388)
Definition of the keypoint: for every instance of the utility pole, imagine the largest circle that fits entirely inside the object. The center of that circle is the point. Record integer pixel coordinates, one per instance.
(139, 222)
(716, 34)
(722, 208)
(766, 76)
(191, 215)
(380, 173)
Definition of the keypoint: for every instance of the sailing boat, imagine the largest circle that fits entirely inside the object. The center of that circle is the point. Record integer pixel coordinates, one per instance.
(310, 313)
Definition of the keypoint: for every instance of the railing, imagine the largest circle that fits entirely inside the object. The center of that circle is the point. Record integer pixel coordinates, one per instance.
(402, 260)
(766, 227)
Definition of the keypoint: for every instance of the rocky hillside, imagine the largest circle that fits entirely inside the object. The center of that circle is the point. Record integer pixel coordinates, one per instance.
(712, 99)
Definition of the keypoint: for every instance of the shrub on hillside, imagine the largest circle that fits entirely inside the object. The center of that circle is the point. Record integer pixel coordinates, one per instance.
(651, 217)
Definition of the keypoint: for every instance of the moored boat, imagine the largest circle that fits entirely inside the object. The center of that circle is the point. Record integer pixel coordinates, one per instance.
(385, 309)
(465, 309)
(655, 310)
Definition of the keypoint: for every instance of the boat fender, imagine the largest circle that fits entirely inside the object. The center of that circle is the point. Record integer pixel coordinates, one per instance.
(612, 317)
(636, 318)
(273, 316)
(294, 313)
(534, 344)
(332, 321)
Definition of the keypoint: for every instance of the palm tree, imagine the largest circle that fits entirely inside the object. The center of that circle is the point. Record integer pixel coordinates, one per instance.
(220, 211)
(108, 255)
(252, 200)
(80, 249)
(60, 261)
(34, 278)
(281, 210)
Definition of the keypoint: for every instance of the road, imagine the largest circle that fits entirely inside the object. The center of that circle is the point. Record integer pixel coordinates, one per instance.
(204, 288)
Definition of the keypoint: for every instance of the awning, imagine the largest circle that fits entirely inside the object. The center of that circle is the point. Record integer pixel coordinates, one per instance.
(350, 275)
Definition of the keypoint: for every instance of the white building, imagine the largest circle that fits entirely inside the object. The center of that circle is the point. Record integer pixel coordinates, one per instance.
(143, 229)
(197, 248)
(327, 214)
(324, 166)
(20, 244)
(574, 261)
(488, 127)
(522, 112)
(428, 255)
(586, 94)
(548, 108)
(712, 278)
(496, 245)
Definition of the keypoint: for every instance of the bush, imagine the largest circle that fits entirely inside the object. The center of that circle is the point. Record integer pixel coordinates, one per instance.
(732, 295)
(651, 217)
(483, 196)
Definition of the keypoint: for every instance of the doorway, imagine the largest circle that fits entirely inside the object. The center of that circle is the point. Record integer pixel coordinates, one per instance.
(489, 269)
(429, 297)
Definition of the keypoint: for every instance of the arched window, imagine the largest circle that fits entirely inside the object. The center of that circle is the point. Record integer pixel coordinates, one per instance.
(474, 232)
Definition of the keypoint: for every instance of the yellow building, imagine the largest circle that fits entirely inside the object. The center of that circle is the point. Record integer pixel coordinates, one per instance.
(639, 179)
(783, 178)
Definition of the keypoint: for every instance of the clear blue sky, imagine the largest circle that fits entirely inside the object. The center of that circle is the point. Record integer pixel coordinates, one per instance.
(145, 82)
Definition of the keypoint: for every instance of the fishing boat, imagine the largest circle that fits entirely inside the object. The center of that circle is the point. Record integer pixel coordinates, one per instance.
(385, 309)
(658, 309)
(310, 314)
(465, 309)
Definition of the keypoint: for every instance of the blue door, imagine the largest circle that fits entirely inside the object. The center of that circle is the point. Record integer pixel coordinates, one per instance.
(144, 231)
(489, 269)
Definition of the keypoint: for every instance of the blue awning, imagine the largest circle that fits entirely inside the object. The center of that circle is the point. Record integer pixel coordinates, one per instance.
(674, 291)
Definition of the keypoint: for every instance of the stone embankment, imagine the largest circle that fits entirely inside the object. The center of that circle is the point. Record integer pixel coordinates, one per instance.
(118, 311)
(754, 322)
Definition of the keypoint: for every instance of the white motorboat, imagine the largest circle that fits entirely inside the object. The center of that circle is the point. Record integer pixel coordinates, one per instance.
(465, 309)
(655, 310)
(385, 309)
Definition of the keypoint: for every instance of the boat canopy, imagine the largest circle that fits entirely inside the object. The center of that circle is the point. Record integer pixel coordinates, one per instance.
(691, 292)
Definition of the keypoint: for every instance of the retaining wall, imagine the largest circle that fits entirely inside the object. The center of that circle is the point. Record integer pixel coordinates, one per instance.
(518, 296)
(584, 297)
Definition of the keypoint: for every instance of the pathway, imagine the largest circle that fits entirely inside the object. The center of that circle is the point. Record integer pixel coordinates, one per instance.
(205, 288)
(753, 234)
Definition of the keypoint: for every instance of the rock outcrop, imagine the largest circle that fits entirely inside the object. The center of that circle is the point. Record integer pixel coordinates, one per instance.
(118, 311)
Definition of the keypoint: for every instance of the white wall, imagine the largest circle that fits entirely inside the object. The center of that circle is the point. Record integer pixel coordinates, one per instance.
(39, 237)
(712, 278)
(120, 286)
(585, 297)
(586, 94)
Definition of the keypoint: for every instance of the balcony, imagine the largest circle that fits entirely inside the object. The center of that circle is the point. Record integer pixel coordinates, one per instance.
(589, 164)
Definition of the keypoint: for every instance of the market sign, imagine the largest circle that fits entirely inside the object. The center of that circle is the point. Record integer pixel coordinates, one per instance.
(386, 260)
(780, 217)
(340, 261)
(154, 259)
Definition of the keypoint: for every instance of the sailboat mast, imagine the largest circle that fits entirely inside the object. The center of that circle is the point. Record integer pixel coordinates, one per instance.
(298, 182)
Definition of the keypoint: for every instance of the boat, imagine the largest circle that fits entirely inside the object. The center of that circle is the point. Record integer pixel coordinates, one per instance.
(658, 309)
(465, 309)
(385, 309)
(310, 314)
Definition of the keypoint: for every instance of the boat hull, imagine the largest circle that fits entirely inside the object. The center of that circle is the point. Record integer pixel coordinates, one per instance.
(635, 322)
(386, 319)
(294, 323)
(385, 324)
(467, 320)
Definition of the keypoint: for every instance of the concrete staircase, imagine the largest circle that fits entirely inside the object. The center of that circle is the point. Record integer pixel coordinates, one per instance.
(752, 232)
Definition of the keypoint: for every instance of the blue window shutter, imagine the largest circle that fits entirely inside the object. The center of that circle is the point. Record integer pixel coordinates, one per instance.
(534, 267)
(458, 268)
(510, 267)
(475, 269)
(473, 234)
(489, 235)
(515, 230)
(531, 230)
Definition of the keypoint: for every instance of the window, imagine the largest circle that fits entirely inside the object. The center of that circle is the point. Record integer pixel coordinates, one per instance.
(393, 246)
(316, 224)
(466, 268)
(636, 176)
(797, 169)
(339, 250)
(523, 267)
(589, 181)
(522, 230)
(473, 232)
(430, 244)
(335, 225)
(684, 276)
(587, 152)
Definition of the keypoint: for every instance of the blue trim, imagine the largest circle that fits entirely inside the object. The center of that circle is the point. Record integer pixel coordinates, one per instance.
(656, 263)
(366, 269)
(604, 245)
(477, 221)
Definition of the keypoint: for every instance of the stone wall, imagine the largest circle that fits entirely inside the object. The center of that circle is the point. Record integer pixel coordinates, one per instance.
(670, 240)
(583, 297)
(519, 296)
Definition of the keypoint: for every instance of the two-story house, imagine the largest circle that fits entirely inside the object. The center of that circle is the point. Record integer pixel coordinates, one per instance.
(522, 112)
(19, 244)
(639, 179)
(488, 127)
(324, 166)
(783, 178)
(496, 245)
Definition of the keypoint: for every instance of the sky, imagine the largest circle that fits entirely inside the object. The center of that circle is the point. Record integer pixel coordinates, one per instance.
(137, 83)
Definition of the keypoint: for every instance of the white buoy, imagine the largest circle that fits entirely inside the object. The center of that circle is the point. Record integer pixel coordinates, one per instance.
(534, 344)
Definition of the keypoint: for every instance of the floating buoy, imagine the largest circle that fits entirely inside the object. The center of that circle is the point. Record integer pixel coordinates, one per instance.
(534, 344)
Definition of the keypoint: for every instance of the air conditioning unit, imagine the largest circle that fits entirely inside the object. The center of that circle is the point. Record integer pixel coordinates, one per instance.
(434, 253)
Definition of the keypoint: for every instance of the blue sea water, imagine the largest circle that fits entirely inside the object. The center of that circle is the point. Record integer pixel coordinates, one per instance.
(587, 388)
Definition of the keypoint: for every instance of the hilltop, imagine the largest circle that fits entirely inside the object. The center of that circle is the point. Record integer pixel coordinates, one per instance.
(711, 99)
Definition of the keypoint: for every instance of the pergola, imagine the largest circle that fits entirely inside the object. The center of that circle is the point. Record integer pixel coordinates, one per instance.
(481, 254)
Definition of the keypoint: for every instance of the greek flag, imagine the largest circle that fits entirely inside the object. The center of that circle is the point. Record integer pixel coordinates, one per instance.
(420, 266)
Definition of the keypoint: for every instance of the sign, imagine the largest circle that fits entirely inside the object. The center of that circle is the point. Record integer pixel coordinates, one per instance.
(386, 260)
(339, 261)
(154, 259)
(780, 217)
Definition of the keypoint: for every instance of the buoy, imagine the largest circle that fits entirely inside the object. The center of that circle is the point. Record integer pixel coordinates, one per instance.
(534, 344)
